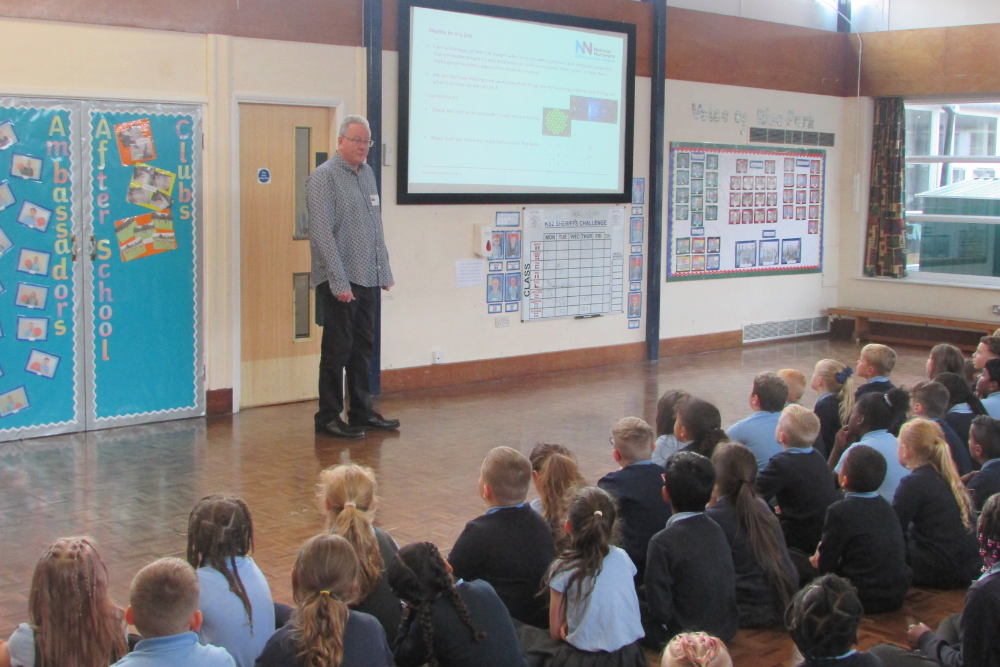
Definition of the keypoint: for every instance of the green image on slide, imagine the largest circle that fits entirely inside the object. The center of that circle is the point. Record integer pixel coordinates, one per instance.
(556, 122)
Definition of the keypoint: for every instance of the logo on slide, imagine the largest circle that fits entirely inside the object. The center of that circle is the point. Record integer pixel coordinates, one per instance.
(585, 47)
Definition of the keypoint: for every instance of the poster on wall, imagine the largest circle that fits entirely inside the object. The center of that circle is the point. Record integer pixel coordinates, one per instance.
(744, 210)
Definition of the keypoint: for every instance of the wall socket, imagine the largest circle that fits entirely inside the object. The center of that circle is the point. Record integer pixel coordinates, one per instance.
(502, 321)
(996, 310)
(437, 357)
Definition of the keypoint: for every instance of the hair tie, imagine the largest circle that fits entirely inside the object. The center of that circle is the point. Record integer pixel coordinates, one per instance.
(843, 375)
(598, 513)
(350, 503)
(327, 593)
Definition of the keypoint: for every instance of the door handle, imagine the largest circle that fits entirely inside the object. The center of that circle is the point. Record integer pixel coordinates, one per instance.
(93, 248)
(73, 241)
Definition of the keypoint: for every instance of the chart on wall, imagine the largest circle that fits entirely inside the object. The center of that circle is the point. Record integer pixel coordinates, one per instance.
(744, 211)
(99, 265)
(574, 262)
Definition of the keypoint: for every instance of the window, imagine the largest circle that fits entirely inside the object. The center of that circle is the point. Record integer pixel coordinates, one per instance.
(952, 195)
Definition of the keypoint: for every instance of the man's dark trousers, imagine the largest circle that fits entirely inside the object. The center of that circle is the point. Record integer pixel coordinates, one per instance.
(348, 340)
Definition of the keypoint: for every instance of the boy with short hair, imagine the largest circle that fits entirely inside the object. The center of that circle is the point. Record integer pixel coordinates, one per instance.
(163, 607)
(757, 431)
(798, 479)
(875, 365)
(638, 488)
(862, 539)
(690, 578)
(988, 388)
(984, 445)
(930, 400)
(988, 348)
(510, 546)
(796, 381)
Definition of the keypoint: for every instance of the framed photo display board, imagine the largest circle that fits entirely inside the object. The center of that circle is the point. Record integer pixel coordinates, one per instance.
(744, 211)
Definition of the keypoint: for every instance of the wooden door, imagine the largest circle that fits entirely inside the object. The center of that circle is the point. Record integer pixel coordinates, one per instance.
(280, 340)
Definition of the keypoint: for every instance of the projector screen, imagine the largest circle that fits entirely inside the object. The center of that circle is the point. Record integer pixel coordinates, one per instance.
(503, 105)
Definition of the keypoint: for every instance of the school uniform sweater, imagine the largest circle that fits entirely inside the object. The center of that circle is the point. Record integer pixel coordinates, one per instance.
(511, 548)
(985, 483)
(979, 644)
(382, 603)
(827, 408)
(690, 578)
(879, 384)
(862, 541)
(960, 417)
(942, 552)
(754, 597)
(800, 482)
(852, 659)
(959, 448)
(364, 645)
(454, 644)
(642, 509)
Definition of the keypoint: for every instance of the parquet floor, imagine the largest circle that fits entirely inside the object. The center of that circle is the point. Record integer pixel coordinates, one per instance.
(132, 488)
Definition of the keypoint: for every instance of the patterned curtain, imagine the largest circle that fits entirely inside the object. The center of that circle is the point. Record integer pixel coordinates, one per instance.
(886, 252)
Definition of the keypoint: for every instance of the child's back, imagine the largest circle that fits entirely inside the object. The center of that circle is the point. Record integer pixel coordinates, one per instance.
(225, 619)
(757, 430)
(364, 645)
(638, 489)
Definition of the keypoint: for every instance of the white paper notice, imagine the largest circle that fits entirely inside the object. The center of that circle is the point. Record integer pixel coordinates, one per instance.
(470, 272)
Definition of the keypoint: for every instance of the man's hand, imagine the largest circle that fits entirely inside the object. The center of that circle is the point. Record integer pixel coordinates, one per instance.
(914, 633)
(346, 297)
(389, 286)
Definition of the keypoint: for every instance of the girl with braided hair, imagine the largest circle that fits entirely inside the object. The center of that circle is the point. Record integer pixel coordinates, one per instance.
(448, 623)
(73, 621)
(323, 632)
(235, 599)
(593, 607)
(823, 621)
(934, 510)
(347, 495)
(969, 638)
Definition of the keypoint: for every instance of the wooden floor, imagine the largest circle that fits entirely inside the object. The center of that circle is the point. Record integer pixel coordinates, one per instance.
(132, 488)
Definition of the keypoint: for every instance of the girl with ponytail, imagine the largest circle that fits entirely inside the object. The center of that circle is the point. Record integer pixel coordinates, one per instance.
(934, 510)
(347, 498)
(831, 379)
(557, 477)
(323, 632)
(699, 426)
(766, 579)
(448, 623)
(593, 607)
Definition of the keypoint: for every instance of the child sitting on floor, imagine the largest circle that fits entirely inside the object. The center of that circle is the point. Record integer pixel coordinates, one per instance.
(796, 381)
(593, 608)
(557, 478)
(930, 401)
(666, 414)
(757, 431)
(984, 445)
(323, 632)
(934, 510)
(862, 540)
(823, 621)
(945, 358)
(698, 427)
(868, 425)
(163, 607)
(696, 649)
(988, 388)
(875, 365)
(510, 546)
(963, 405)
(637, 488)
(72, 618)
(835, 402)
(969, 638)
(234, 598)
(690, 578)
(347, 498)
(988, 348)
(799, 480)
(766, 579)
(448, 622)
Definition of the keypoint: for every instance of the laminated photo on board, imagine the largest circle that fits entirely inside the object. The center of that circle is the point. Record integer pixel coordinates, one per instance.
(135, 141)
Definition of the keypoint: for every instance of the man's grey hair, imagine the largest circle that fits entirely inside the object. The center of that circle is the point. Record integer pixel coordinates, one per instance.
(354, 120)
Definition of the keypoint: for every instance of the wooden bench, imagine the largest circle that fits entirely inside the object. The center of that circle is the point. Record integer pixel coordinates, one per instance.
(862, 331)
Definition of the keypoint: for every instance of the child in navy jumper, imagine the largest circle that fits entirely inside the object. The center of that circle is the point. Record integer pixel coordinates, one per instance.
(963, 404)
(984, 445)
(798, 480)
(930, 400)
(934, 510)
(875, 365)
(510, 546)
(969, 638)
(823, 622)
(690, 578)
(836, 400)
(862, 540)
(637, 487)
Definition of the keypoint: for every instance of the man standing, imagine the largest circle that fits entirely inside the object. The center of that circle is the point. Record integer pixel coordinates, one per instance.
(349, 264)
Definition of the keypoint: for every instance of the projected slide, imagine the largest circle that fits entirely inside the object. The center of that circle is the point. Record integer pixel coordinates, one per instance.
(506, 106)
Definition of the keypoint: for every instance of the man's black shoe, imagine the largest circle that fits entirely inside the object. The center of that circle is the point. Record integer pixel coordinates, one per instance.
(376, 421)
(338, 429)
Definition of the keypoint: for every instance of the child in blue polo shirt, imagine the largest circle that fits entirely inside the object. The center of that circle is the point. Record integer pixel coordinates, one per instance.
(757, 431)
(988, 388)
(163, 607)
(869, 425)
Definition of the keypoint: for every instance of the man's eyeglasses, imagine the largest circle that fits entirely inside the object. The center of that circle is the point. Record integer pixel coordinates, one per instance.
(359, 141)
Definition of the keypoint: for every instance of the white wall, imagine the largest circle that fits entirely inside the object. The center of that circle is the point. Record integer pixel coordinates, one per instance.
(872, 15)
(819, 14)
